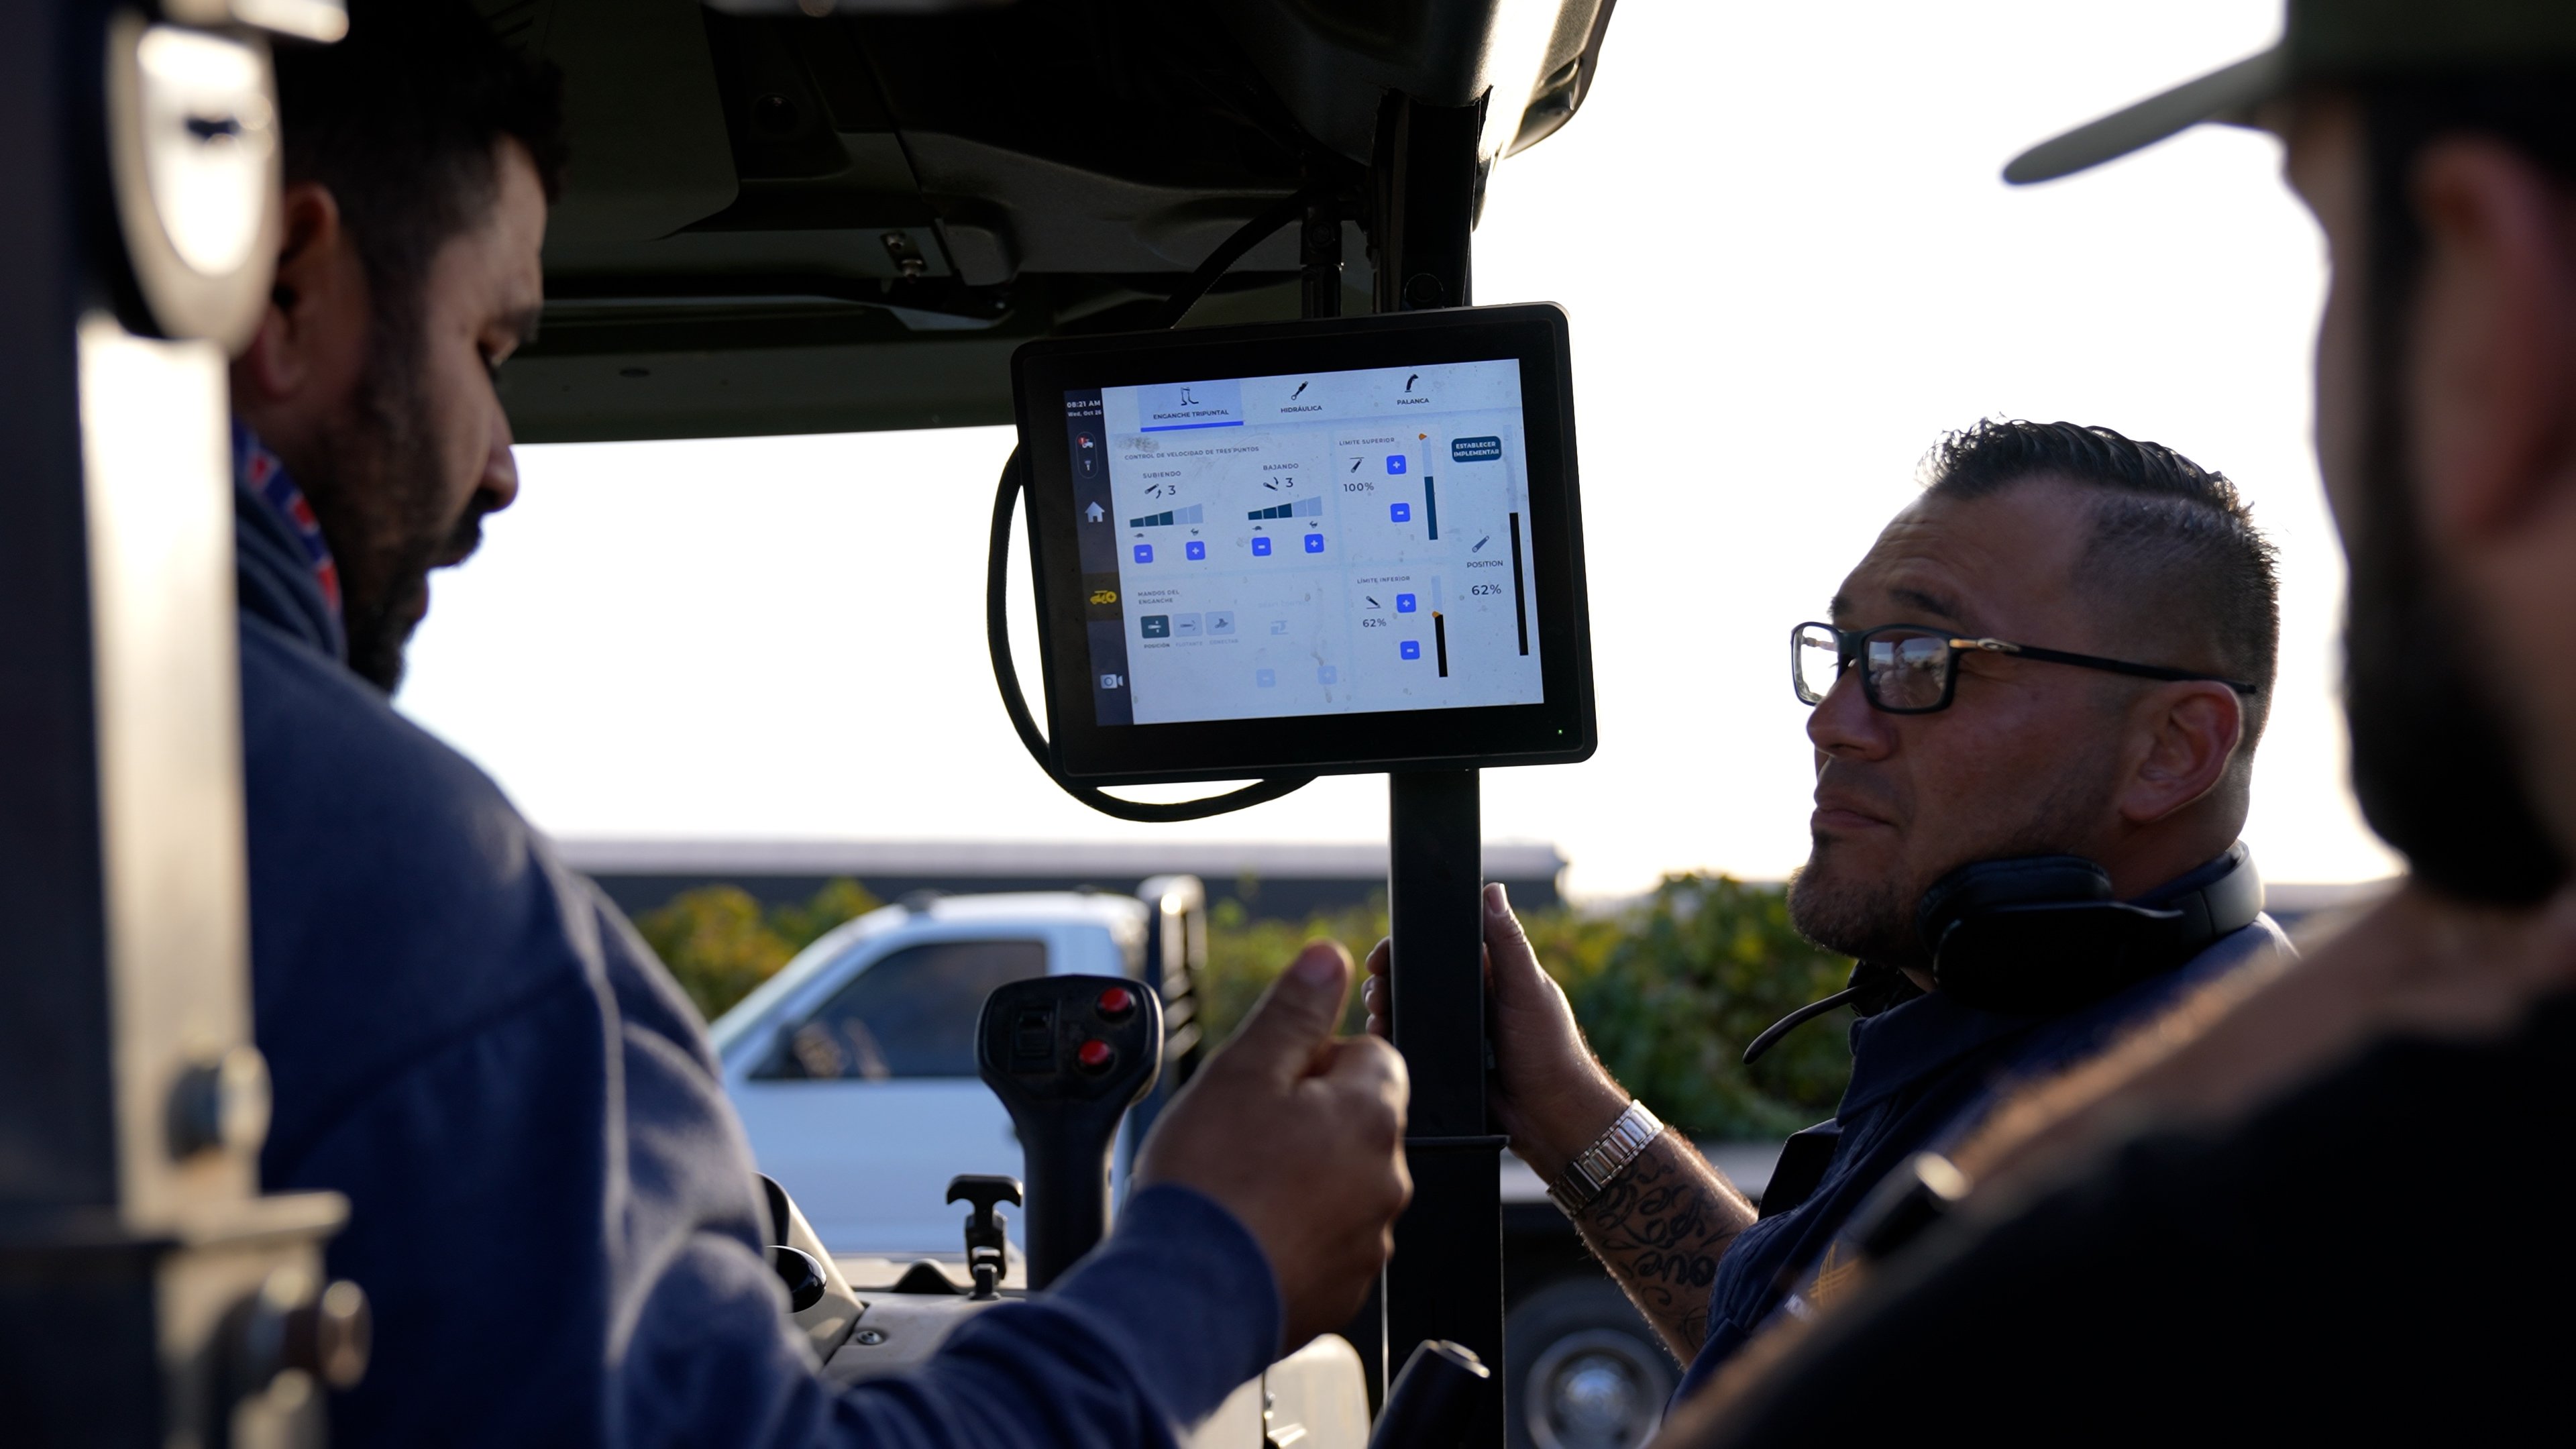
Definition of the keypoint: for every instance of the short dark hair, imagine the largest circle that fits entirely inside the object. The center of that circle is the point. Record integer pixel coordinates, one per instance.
(400, 120)
(2164, 529)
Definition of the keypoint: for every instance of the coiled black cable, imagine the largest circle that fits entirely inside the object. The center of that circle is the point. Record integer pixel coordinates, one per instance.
(997, 575)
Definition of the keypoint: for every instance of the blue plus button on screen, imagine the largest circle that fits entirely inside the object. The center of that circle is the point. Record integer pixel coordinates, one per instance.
(1394, 463)
(1404, 603)
(1401, 512)
(1195, 549)
(1314, 543)
(1144, 553)
(1261, 547)
(1410, 649)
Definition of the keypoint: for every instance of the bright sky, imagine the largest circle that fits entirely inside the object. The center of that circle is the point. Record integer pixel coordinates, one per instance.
(1790, 266)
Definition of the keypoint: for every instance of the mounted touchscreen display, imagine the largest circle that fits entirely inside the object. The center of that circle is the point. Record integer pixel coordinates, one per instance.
(1331, 546)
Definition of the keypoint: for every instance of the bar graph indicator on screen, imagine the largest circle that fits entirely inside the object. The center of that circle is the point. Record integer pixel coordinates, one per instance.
(1195, 513)
(1302, 508)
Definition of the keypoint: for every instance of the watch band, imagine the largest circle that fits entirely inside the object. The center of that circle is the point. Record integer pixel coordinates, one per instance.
(1599, 1165)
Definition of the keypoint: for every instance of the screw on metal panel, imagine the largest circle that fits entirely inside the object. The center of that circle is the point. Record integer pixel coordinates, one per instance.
(1422, 290)
(870, 1337)
(222, 1103)
(291, 1325)
(906, 256)
(331, 1337)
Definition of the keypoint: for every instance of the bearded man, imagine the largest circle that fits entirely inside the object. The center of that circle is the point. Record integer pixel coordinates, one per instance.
(2042, 687)
(552, 1207)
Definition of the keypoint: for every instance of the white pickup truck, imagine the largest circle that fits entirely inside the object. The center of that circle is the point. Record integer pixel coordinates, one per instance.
(854, 1072)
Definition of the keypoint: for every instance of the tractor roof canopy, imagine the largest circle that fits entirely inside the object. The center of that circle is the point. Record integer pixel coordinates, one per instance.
(782, 222)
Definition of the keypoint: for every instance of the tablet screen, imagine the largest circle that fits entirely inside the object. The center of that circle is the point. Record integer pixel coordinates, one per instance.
(1336, 542)
(1333, 545)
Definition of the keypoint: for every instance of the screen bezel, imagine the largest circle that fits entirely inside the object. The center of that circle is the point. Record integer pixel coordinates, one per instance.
(1558, 730)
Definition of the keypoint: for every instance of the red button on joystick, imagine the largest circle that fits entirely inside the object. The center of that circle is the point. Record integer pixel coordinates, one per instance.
(1095, 1055)
(1116, 1004)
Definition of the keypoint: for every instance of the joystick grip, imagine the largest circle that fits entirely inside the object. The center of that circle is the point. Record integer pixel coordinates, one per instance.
(1068, 1055)
(1433, 1402)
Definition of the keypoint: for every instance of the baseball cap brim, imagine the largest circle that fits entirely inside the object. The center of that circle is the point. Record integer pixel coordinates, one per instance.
(2230, 95)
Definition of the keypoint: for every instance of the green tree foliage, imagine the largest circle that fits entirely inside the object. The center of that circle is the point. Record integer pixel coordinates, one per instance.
(1245, 955)
(1669, 992)
(721, 943)
(1698, 970)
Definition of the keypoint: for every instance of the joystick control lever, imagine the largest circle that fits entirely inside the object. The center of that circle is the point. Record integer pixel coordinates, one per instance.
(1434, 1401)
(1068, 1055)
(988, 1248)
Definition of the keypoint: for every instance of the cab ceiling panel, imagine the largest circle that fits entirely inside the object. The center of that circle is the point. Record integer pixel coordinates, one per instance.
(778, 221)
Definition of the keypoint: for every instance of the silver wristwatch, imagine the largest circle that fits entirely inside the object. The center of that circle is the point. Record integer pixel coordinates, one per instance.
(1597, 1166)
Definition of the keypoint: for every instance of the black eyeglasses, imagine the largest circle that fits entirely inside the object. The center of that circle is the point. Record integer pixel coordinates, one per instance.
(1914, 669)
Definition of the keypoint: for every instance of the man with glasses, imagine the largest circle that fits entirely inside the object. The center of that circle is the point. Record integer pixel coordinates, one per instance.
(2064, 647)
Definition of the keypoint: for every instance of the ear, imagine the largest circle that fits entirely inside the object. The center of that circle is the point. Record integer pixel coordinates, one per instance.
(2189, 731)
(2493, 352)
(316, 305)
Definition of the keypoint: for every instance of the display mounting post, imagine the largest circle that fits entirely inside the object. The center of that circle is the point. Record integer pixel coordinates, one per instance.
(1446, 1280)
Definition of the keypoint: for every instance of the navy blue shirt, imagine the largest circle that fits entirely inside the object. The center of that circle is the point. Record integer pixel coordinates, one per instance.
(551, 1204)
(1924, 1072)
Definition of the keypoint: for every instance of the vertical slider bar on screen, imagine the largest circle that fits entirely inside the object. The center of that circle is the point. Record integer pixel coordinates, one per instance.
(1430, 507)
(1440, 640)
(1520, 606)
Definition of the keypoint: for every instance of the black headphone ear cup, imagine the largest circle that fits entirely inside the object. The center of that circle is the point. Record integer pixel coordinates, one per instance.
(1989, 885)
(2041, 958)
(2024, 935)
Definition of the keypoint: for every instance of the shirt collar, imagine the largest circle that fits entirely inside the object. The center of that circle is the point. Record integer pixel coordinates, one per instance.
(264, 474)
(1922, 1034)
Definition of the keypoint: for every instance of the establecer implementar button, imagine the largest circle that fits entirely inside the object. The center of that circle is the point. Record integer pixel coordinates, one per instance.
(1095, 1055)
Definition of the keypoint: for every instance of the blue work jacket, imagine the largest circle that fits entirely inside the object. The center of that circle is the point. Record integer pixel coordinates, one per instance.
(1924, 1073)
(551, 1203)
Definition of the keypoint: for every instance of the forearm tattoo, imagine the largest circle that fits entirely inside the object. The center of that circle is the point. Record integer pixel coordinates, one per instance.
(1660, 1229)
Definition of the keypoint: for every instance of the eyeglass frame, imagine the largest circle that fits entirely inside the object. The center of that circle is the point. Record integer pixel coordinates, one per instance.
(1849, 644)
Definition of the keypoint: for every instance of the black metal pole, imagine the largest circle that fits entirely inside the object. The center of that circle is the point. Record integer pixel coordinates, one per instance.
(1446, 1280)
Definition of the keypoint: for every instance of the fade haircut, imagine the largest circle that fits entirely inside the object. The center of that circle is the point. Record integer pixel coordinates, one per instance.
(401, 120)
(2168, 535)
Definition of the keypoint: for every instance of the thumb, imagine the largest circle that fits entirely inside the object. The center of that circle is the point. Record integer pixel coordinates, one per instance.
(1515, 968)
(1296, 1015)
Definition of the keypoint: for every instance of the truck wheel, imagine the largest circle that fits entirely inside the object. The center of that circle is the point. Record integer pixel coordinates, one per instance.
(1582, 1370)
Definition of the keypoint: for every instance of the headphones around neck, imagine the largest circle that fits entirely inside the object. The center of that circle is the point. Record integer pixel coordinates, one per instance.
(2043, 934)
